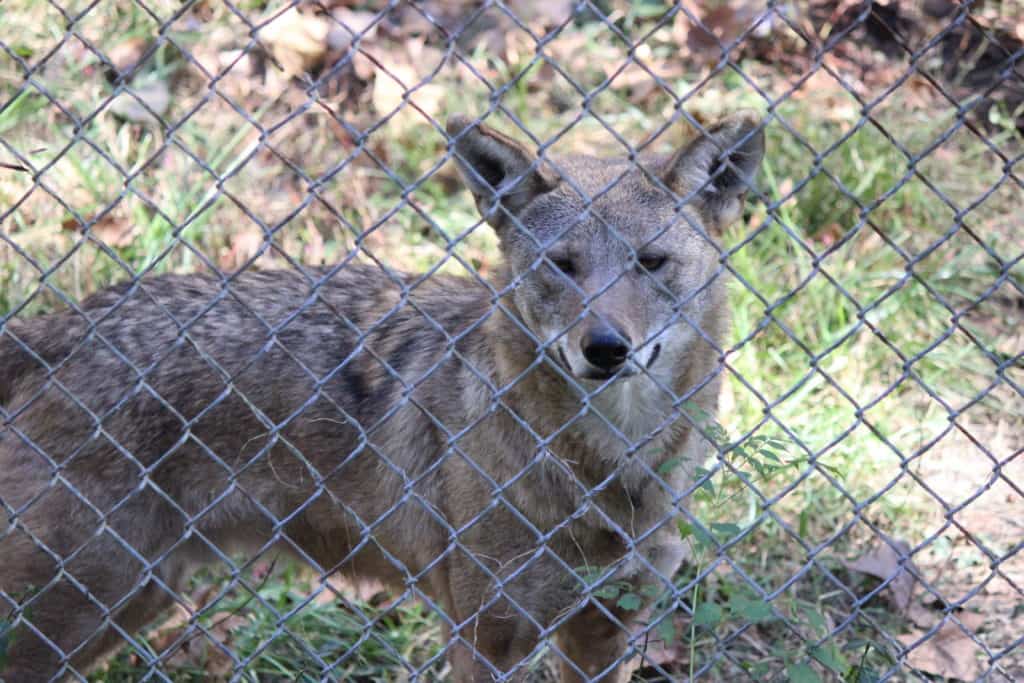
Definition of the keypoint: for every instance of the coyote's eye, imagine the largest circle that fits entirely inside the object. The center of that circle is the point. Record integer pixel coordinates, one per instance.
(651, 262)
(564, 264)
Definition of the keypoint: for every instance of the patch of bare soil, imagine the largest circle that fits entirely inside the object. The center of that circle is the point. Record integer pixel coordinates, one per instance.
(976, 560)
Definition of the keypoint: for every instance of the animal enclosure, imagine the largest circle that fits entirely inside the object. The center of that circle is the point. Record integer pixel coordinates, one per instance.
(860, 514)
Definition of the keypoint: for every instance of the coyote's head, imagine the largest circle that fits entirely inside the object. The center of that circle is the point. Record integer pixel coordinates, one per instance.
(614, 260)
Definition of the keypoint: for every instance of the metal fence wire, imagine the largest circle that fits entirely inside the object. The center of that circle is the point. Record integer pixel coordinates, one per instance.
(686, 415)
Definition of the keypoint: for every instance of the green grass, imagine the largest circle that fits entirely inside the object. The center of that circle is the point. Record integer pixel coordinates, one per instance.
(842, 364)
(278, 629)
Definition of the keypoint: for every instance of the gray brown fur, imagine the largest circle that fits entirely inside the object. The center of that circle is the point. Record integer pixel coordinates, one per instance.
(193, 412)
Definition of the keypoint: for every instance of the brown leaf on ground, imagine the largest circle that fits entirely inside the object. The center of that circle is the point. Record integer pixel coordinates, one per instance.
(313, 251)
(126, 56)
(166, 634)
(112, 230)
(297, 40)
(883, 561)
(925, 618)
(401, 93)
(950, 652)
(173, 640)
(541, 15)
(830, 96)
(425, 59)
(491, 28)
(717, 26)
(244, 245)
(200, 650)
(346, 25)
(921, 616)
(641, 81)
(142, 104)
(342, 587)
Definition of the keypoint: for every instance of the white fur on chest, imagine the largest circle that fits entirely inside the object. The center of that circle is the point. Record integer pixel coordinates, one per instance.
(626, 414)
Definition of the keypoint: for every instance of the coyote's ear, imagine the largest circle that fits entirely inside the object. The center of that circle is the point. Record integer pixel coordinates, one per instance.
(496, 166)
(720, 166)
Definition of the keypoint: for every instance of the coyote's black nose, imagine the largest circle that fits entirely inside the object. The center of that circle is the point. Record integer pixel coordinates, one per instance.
(605, 348)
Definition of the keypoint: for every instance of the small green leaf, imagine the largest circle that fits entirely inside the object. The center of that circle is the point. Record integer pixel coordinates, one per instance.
(753, 610)
(707, 484)
(802, 673)
(862, 674)
(718, 435)
(726, 531)
(589, 575)
(830, 656)
(697, 415)
(816, 621)
(665, 468)
(835, 472)
(704, 539)
(701, 538)
(651, 590)
(707, 614)
(630, 601)
(666, 630)
(608, 592)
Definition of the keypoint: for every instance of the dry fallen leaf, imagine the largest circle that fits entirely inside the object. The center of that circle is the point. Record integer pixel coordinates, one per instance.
(391, 84)
(199, 651)
(244, 245)
(397, 82)
(347, 25)
(950, 652)
(111, 230)
(116, 232)
(541, 15)
(834, 100)
(297, 40)
(718, 25)
(142, 104)
(126, 56)
(339, 586)
(921, 616)
(884, 562)
(313, 251)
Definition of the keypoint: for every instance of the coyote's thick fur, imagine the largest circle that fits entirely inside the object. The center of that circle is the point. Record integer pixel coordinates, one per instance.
(480, 442)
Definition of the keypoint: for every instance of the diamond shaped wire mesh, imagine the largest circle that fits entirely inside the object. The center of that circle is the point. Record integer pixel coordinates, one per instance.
(256, 428)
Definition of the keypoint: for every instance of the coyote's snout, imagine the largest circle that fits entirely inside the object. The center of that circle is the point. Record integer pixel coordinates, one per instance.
(478, 441)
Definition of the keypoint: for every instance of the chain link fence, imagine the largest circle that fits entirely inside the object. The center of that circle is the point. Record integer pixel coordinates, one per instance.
(254, 427)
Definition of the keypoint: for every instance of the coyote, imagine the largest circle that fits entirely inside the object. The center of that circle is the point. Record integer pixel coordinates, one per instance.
(479, 442)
